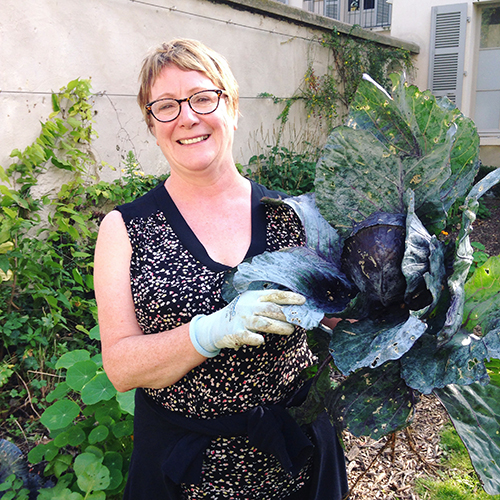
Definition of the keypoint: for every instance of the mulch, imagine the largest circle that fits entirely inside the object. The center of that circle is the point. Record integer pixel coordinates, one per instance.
(386, 469)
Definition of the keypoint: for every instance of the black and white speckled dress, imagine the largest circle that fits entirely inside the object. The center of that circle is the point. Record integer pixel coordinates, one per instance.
(173, 279)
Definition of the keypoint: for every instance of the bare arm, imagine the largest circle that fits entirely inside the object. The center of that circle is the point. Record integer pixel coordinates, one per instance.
(132, 359)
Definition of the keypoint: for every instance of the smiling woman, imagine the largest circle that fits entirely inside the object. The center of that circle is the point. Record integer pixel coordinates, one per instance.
(213, 380)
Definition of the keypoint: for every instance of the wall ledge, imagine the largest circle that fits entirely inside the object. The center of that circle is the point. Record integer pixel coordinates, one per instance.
(304, 18)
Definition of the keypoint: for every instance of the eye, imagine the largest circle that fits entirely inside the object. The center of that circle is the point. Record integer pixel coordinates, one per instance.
(167, 105)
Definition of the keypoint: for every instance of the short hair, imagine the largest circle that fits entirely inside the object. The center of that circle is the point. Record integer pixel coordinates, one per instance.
(189, 55)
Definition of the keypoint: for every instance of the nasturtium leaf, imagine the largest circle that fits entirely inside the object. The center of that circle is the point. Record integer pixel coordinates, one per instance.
(98, 389)
(61, 389)
(460, 361)
(92, 475)
(40, 451)
(475, 413)
(372, 402)
(94, 333)
(369, 343)
(98, 434)
(113, 460)
(115, 478)
(126, 400)
(60, 414)
(482, 294)
(123, 428)
(70, 358)
(107, 409)
(80, 374)
(76, 435)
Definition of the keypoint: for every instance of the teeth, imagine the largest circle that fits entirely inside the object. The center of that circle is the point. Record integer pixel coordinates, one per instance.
(195, 140)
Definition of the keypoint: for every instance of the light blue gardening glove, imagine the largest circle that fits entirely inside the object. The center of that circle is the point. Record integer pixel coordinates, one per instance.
(237, 324)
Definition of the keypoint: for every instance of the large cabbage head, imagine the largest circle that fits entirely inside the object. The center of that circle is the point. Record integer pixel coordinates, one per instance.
(372, 257)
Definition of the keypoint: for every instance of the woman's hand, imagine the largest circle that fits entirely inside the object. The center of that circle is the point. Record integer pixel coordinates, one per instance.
(237, 324)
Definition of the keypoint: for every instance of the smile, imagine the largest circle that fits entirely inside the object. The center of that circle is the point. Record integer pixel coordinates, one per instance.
(194, 140)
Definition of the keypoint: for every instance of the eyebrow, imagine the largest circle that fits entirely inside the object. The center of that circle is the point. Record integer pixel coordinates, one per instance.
(168, 95)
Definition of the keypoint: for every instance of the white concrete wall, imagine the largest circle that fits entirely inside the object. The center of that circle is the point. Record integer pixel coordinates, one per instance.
(44, 44)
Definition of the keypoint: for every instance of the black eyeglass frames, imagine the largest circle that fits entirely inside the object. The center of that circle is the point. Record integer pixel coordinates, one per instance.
(202, 103)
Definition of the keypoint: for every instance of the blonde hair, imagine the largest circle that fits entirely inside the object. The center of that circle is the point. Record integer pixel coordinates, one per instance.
(189, 55)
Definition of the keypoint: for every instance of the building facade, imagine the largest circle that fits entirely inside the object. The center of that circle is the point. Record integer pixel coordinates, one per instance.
(459, 50)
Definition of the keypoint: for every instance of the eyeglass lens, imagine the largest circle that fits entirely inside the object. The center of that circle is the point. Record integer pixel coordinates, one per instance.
(203, 102)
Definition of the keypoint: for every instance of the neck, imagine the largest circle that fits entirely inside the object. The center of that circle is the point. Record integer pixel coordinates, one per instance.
(206, 187)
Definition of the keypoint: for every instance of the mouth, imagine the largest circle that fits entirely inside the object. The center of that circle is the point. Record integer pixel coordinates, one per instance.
(194, 140)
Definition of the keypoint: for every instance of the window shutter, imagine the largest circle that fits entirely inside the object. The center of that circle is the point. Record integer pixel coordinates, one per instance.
(383, 13)
(446, 61)
(332, 9)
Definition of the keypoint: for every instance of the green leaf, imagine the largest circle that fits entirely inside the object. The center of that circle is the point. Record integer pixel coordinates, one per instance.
(98, 389)
(60, 414)
(98, 434)
(94, 333)
(70, 358)
(475, 413)
(126, 401)
(464, 257)
(91, 473)
(368, 165)
(368, 343)
(80, 374)
(429, 119)
(493, 368)
(460, 361)
(123, 428)
(58, 393)
(371, 402)
(482, 293)
(48, 451)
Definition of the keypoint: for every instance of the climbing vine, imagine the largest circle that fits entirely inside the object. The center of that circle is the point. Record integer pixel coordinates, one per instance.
(327, 96)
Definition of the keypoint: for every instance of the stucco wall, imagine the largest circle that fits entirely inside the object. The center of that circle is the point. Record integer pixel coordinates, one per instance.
(47, 43)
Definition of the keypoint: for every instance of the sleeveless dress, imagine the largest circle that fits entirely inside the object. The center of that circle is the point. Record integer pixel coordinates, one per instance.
(173, 279)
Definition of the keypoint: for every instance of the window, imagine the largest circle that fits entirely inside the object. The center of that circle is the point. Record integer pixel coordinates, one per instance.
(487, 112)
(366, 13)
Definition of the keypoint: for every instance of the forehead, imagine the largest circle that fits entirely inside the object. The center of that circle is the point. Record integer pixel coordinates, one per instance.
(176, 82)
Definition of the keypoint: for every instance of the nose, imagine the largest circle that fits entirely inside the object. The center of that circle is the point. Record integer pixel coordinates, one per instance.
(187, 115)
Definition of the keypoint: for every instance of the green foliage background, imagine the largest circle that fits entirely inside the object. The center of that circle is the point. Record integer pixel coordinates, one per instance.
(50, 365)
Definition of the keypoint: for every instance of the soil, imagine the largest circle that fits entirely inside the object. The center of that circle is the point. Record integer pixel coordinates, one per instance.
(387, 469)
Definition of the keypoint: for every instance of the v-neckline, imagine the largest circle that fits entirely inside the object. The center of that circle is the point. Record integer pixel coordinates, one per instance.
(191, 242)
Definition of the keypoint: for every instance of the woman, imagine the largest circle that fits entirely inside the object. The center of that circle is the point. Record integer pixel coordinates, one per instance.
(213, 379)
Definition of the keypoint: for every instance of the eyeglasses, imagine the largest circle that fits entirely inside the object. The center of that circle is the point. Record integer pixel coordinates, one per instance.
(202, 103)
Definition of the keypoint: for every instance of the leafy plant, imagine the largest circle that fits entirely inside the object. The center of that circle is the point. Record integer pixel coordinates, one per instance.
(384, 185)
(284, 170)
(91, 427)
(47, 305)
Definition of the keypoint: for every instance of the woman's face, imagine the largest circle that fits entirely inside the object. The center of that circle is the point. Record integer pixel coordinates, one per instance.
(192, 143)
